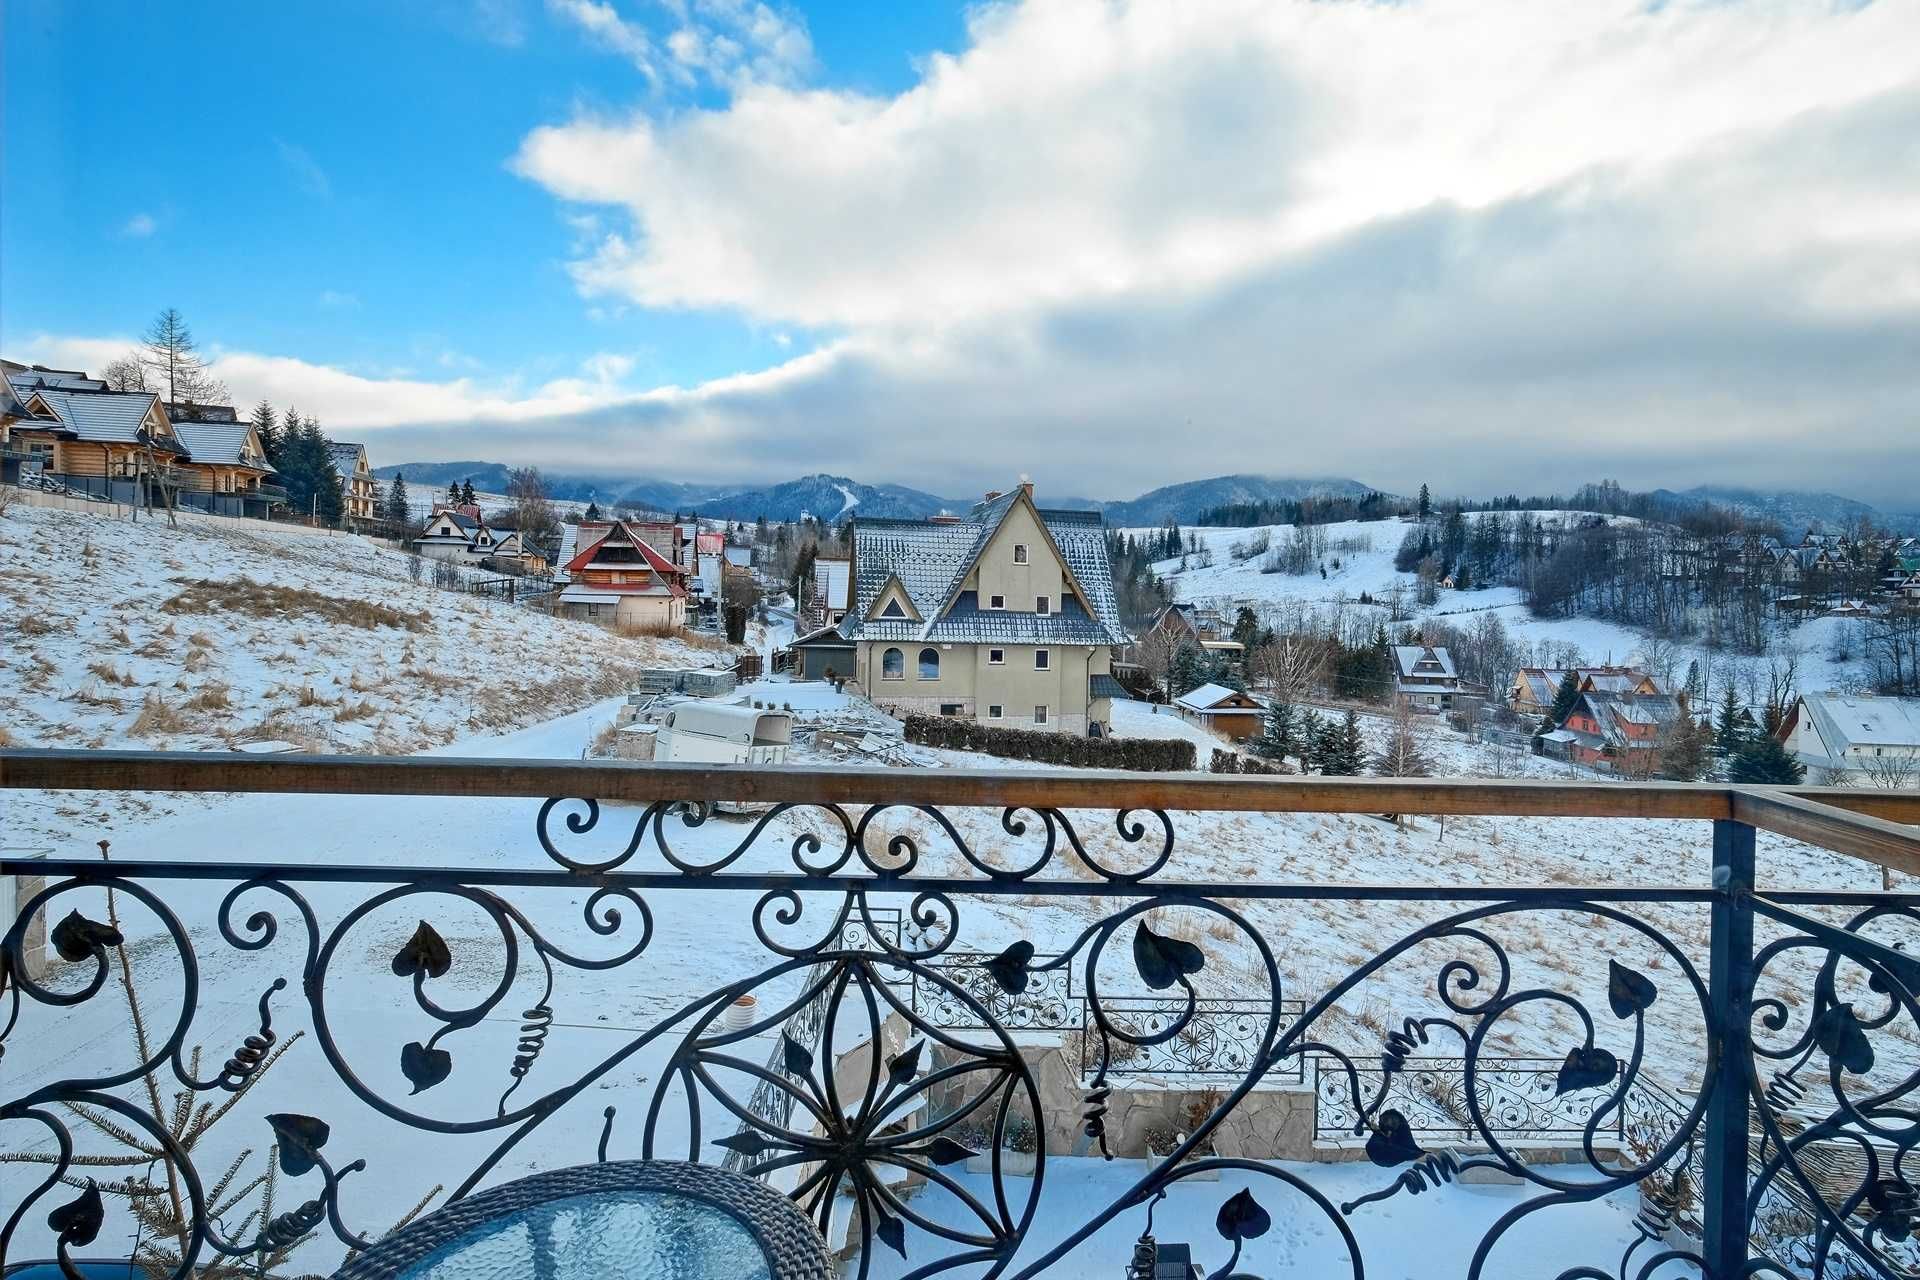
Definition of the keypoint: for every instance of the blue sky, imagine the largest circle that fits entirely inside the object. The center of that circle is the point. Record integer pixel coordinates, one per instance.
(332, 180)
(1488, 245)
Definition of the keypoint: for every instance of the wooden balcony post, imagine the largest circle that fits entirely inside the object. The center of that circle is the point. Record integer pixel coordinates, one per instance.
(1730, 988)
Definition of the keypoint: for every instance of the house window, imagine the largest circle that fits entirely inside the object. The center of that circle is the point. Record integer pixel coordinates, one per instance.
(893, 665)
(1041, 604)
(1019, 553)
(993, 711)
(593, 610)
(996, 602)
(1042, 659)
(1040, 714)
(929, 664)
(950, 709)
(893, 610)
(996, 657)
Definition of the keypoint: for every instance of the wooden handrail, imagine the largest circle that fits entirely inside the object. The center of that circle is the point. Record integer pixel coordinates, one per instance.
(218, 771)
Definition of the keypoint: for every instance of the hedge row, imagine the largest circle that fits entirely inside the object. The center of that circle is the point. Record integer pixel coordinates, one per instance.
(1153, 755)
(1234, 762)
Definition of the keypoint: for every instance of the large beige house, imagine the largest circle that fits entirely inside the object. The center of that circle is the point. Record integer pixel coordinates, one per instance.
(1005, 615)
(360, 496)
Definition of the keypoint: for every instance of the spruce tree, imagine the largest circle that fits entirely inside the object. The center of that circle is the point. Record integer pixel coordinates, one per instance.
(1765, 760)
(1565, 698)
(398, 514)
(1426, 502)
(1684, 757)
(1313, 732)
(593, 511)
(1187, 672)
(1341, 751)
(453, 493)
(1729, 733)
(267, 426)
(1280, 735)
(466, 493)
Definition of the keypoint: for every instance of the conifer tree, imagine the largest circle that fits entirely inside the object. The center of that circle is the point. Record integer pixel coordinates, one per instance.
(1426, 502)
(593, 511)
(1729, 732)
(267, 426)
(398, 514)
(1313, 732)
(1280, 734)
(466, 493)
(1565, 698)
(1684, 757)
(1341, 752)
(1765, 760)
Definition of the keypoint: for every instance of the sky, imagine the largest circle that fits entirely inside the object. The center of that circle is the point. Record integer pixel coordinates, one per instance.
(1489, 245)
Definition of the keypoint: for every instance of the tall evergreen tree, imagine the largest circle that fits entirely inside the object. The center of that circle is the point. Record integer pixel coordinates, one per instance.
(266, 425)
(1342, 753)
(453, 492)
(1729, 726)
(1565, 698)
(593, 511)
(1426, 502)
(1765, 760)
(1313, 732)
(1279, 734)
(398, 513)
(1684, 757)
(1187, 671)
(466, 493)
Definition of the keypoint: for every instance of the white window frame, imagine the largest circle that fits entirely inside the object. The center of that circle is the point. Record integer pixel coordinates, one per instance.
(1020, 553)
(996, 657)
(1043, 659)
(996, 602)
(994, 711)
(1042, 604)
(1039, 713)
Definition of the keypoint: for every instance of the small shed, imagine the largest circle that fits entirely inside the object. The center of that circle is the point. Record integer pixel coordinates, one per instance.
(1229, 712)
(820, 653)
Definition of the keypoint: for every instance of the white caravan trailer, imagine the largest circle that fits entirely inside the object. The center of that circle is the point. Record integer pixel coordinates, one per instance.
(723, 733)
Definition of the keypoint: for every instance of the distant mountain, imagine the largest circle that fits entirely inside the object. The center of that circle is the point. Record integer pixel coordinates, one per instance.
(1185, 502)
(1795, 510)
(827, 497)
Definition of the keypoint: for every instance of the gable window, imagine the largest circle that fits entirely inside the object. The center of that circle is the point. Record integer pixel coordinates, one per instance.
(996, 602)
(929, 664)
(993, 711)
(1042, 604)
(996, 657)
(1042, 659)
(1040, 714)
(893, 665)
(1019, 553)
(893, 610)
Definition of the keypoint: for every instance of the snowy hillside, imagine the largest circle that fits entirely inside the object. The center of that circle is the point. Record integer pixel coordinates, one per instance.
(136, 635)
(1359, 560)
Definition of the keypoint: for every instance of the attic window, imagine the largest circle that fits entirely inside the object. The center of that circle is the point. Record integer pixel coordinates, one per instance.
(893, 610)
(1019, 553)
(996, 602)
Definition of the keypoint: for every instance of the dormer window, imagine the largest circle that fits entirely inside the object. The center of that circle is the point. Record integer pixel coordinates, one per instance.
(893, 610)
(1020, 553)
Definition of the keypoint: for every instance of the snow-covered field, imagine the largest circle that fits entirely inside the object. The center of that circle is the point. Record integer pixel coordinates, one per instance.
(1228, 584)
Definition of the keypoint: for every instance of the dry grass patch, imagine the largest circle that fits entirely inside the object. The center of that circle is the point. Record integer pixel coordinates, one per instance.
(32, 624)
(212, 696)
(158, 717)
(91, 694)
(355, 710)
(268, 600)
(110, 674)
(6, 738)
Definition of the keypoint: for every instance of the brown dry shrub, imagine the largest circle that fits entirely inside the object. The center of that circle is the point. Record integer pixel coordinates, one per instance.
(270, 600)
(32, 624)
(110, 674)
(355, 710)
(211, 697)
(310, 697)
(157, 717)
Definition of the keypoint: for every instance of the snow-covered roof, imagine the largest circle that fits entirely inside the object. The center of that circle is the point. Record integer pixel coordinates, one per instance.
(932, 558)
(1206, 698)
(1847, 722)
(218, 442)
(1423, 662)
(108, 417)
(346, 457)
(26, 381)
(833, 579)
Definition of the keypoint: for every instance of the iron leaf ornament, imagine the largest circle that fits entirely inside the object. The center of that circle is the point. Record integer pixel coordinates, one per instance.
(425, 952)
(1009, 968)
(78, 1221)
(77, 937)
(1163, 961)
(1392, 1142)
(424, 1065)
(1628, 992)
(1586, 1067)
(301, 1138)
(1838, 1033)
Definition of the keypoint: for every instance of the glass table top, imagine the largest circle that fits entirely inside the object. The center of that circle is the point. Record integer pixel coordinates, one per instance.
(616, 1235)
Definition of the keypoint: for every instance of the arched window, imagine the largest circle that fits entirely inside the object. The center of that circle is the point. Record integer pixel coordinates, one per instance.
(893, 665)
(929, 664)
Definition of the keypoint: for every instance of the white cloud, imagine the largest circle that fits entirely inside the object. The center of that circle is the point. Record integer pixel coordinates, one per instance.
(731, 43)
(139, 226)
(304, 169)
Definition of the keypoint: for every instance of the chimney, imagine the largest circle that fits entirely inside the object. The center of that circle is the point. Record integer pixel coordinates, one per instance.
(991, 495)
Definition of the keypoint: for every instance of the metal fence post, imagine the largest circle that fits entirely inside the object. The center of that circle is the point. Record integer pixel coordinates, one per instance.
(1730, 986)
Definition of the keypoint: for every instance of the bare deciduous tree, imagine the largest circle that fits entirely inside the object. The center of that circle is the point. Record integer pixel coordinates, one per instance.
(1291, 665)
(174, 357)
(128, 373)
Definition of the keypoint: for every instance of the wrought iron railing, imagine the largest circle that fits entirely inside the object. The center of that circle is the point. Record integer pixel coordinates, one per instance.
(1757, 1091)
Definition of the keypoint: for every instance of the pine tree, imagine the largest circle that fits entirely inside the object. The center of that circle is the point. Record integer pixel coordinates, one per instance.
(1342, 753)
(1729, 730)
(1313, 733)
(1426, 502)
(1765, 760)
(398, 514)
(1565, 699)
(593, 511)
(1187, 671)
(1280, 735)
(1685, 754)
(453, 493)
(466, 493)
(267, 426)
(1463, 578)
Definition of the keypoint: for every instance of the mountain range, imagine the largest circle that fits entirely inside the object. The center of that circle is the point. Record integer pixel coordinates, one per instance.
(831, 497)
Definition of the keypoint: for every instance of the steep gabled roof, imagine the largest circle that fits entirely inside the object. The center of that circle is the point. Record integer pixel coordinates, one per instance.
(663, 568)
(219, 442)
(107, 417)
(1423, 662)
(931, 560)
(346, 457)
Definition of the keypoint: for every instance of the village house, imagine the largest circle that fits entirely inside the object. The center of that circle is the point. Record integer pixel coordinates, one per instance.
(226, 471)
(832, 593)
(1534, 688)
(823, 654)
(1199, 626)
(1619, 732)
(455, 533)
(1230, 713)
(1424, 677)
(358, 489)
(618, 579)
(109, 444)
(1005, 616)
(1844, 739)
